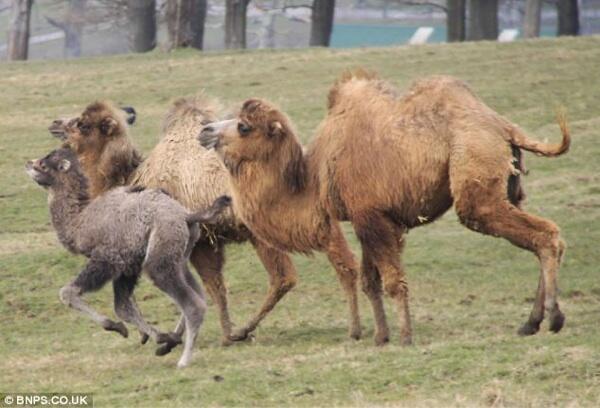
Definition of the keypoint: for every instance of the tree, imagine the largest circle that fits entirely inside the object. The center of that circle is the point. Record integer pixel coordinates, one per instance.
(322, 23)
(72, 25)
(483, 20)
(456, 11)
(142, 29)
(18, 32)
(568, 17)
(531, 22)
(185, 23)
(235, 23)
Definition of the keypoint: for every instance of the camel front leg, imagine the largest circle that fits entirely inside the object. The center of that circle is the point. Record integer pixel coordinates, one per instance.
(93, 277)
(342, 259)
(126, 308)
(282, 278)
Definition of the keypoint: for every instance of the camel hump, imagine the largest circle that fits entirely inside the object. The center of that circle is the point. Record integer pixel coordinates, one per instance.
(196, 109)
(345, 77)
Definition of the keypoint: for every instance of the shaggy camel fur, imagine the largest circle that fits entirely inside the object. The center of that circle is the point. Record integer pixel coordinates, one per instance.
(123, 232)
(388, 163)
(195, 177)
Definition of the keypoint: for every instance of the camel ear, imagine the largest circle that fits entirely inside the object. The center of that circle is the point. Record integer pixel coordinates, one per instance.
(276, 129)
(251, 105)
(295, 169)
(108, 126)
(64, 165)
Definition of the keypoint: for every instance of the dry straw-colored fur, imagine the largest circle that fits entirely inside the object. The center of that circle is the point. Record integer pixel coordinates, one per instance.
(195, 177)
(389, 162)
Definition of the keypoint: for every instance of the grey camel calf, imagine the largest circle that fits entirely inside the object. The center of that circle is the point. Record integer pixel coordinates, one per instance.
(123, 232)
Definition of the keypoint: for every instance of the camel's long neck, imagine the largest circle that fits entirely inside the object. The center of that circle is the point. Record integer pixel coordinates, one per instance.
(66, 205)
(288, 220)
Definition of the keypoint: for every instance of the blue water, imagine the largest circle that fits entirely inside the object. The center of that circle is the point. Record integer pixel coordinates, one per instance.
(363, 35)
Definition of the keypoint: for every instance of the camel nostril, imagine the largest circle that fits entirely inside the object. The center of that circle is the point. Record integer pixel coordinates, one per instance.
(208, 129)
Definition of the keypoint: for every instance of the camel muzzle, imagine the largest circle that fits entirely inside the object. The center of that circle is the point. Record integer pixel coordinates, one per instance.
(58, 128)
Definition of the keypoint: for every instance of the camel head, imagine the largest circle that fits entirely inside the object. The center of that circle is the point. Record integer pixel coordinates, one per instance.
(61, 128)
(260, 134)
(55, 169)
(98, 125)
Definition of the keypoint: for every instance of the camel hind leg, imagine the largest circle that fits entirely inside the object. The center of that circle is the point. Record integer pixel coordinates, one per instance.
(208, 261)
(482, 205)
(167, 274)
(382, 242)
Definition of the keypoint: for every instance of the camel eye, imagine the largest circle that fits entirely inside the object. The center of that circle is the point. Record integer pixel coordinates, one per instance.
(244, 129)
(83, 128)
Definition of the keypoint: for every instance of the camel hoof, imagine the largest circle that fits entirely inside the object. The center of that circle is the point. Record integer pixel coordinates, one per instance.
(118, 327)
(529, 329)
(240, 335)
(165, 349)
(406, 340)
(144, 338)
(182, 364)
(557, 321)
(226, 341)
(168, 338)
(355, 334)
(167, 341)
(382, 339)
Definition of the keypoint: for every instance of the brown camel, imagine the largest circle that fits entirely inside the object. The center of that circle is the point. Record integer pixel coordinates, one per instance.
(387, 163)
(195, 177)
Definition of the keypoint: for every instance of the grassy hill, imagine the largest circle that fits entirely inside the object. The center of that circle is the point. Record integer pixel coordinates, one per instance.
(469, 293)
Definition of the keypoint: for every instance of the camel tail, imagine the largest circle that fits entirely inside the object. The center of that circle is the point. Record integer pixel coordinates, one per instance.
(520, 139)
(211, 214)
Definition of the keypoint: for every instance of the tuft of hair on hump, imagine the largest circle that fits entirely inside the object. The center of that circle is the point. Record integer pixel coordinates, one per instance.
(347, 76)
(198, 107)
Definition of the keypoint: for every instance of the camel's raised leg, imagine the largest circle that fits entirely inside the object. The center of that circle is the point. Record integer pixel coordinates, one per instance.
(282, 278)
(382, 244)
(346, 268)
(93, 277)
(482, 206)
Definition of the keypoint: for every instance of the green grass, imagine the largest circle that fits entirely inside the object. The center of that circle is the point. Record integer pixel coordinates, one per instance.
(469, 293)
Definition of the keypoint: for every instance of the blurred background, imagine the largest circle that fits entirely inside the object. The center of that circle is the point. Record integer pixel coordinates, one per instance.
(54, 29)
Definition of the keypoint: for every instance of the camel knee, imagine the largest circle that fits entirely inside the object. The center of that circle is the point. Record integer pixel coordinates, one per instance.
(121, 311)
(288, 283)
(550, 243)
(370, 284)
(473, 216)
(68, 293)
(396, 288)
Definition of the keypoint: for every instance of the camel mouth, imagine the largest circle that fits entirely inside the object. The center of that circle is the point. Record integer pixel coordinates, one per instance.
(58, 129)
(35, 174)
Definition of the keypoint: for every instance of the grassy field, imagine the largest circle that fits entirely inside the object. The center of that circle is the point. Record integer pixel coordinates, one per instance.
(469, 293)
